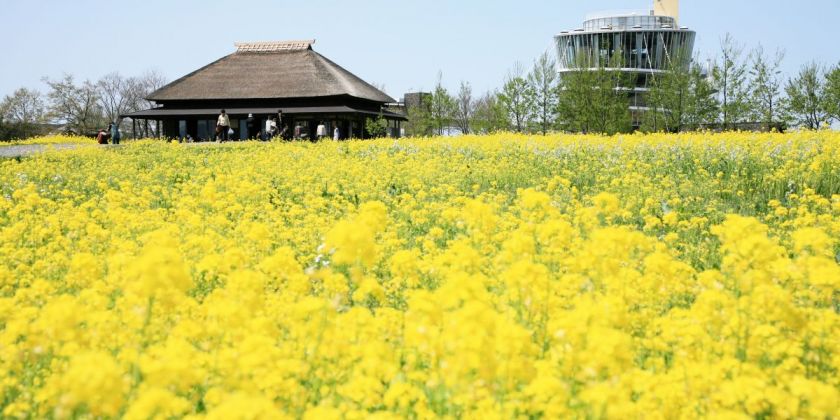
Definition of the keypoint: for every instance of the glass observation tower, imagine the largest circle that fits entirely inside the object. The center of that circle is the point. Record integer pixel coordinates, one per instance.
(645, 42)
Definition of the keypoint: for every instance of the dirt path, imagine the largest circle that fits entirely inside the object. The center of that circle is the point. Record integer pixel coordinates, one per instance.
(23, 150)
(31, 149)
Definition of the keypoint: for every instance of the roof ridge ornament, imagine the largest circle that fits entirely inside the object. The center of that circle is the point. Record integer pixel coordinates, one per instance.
(274, 46)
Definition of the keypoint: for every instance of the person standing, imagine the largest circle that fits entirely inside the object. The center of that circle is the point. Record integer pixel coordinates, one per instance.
(336, 133)
(115, 133)
(321, 131)
(223, 125)
(252, 127)
(270, 128)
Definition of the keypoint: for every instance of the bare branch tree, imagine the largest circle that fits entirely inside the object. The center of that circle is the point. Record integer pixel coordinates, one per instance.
(74, 105)
(464, 108)
(21, 112)
(119, 96)
(148, 83)
(25, 106)
(151, 81)
(379, 86)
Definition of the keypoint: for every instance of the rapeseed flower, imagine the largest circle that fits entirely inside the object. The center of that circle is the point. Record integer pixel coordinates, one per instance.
(500, 276)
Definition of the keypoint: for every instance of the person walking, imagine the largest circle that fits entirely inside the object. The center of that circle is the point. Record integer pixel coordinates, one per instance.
(222, 126)
(115, 133)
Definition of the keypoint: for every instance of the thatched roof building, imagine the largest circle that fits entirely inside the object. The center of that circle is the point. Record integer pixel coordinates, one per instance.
(287, 80)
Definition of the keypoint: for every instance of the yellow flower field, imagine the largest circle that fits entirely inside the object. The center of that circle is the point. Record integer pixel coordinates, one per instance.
(659, 276)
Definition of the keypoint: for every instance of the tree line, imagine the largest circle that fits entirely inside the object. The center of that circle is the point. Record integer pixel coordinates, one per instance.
(738, 90)
(78, 107)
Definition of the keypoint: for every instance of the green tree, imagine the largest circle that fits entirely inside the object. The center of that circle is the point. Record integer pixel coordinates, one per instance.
(702, 107)
(806, 97)
(543, 85)
(575, 100)
(832, 93)
(490, 115)
(595, 99)
(669, 96)
(5, 129)
(442, 107)
(766, 88)
(419, 114)
(517, 99)
(730, 80)
(376, 127)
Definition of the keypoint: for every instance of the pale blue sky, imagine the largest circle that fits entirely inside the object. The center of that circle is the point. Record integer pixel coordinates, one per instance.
(399, 43)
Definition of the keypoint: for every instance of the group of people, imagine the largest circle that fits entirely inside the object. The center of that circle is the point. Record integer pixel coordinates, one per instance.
(321, 132)
(112, 133)
(224, 132)
(266, 133)
(270, 130)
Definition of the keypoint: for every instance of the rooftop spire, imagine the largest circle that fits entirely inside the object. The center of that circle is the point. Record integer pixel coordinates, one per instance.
(667, 8)
(272, 46)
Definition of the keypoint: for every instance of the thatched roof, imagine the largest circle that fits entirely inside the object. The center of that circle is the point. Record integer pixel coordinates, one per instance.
(163, 113)
(269, 70)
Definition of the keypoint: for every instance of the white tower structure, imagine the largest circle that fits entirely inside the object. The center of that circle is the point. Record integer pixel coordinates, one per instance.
(647, 43)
